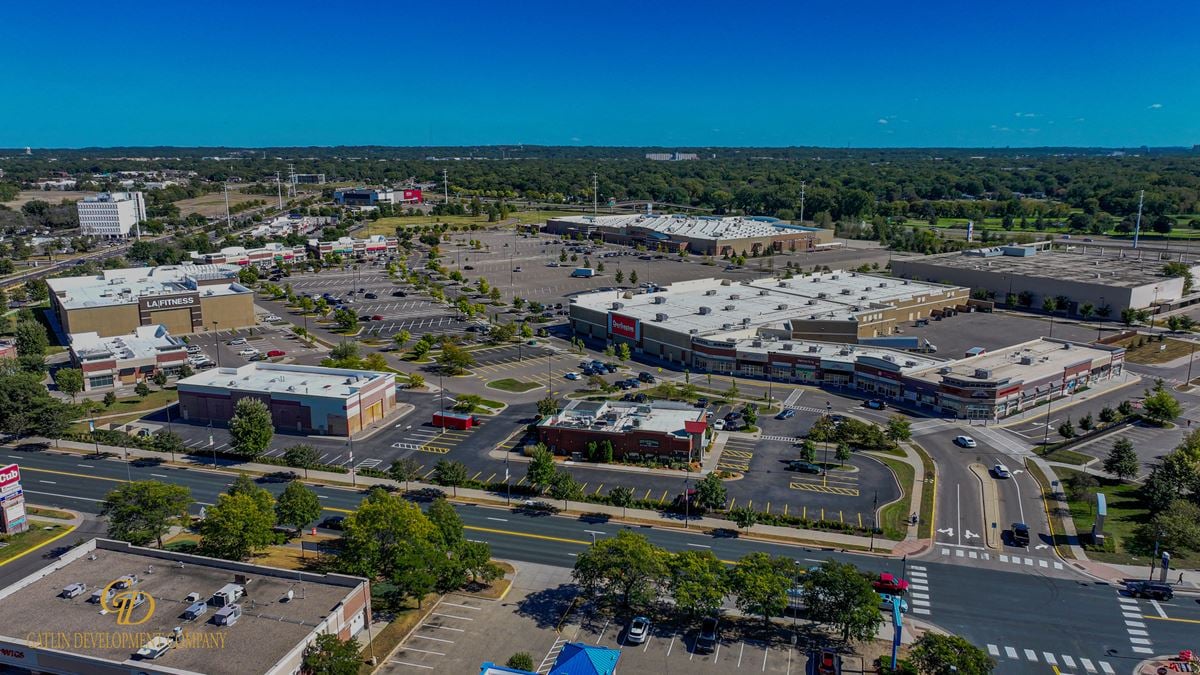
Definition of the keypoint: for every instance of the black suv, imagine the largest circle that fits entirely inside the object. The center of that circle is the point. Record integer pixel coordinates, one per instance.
(1149, 589)
(1020, 534)
(706, 641)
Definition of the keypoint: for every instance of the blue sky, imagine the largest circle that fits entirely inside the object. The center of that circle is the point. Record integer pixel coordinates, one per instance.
(671, 73)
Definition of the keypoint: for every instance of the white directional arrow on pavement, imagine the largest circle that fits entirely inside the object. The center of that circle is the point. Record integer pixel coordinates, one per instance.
(1041, 546)
(970, 535)
(1017, 471)
(948, 531)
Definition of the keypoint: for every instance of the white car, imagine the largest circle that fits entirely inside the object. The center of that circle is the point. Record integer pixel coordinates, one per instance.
(193, 349)
(572, 375)
(719, 425)
(249, 351)
(965, 441)
(270, 317)
(236, 341)
(1001, 471)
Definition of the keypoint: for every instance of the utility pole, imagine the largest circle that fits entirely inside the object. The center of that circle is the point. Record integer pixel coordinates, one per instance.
(595, 193)
(228, 216)
(279, 190)
(1137, 228)
(446, 186)
(801, 202)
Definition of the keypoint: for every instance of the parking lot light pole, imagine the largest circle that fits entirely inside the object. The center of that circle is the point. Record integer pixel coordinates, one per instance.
(217, 342)
(442, 402)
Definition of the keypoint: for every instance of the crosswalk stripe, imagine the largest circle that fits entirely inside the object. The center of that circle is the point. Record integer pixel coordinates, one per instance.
(993, 650)
(1049, 658)
(1138, 641)
(1135, 631)
(1010, 652)
(1142, 650)
(1070, 662)
(916, 568)
(1088, 665)
(1031, 655)
(919, 610)
(1135, 624)
(1106, 668)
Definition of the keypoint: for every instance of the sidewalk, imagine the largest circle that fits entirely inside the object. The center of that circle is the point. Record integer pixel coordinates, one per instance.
(819, 538)
(1127, 380)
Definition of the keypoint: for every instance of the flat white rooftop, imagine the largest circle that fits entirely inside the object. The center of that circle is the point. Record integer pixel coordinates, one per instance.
(710, 305)
(143, 343)
(901, 360)
(125, 286)
(694, 227)
(624, 416)
(280, 378)
(1028, 361)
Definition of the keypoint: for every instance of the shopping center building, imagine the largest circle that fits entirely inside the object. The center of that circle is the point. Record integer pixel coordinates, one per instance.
(635, 431)
(697, 235)
(125, 360)
(305, 399)
(349, 247)
(183, 298)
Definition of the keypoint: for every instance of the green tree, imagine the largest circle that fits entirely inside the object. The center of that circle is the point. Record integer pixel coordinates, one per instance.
(378, 537)
(633, 277)
(301, 456)
(451, 473)
(416, 381)
(760, 584)
(143, 511)
(626, 570)
(838, 596)
(547, 407)
(251, 428)
(449, 525)
(520, 661)
(454, 359)
(1122, 460)
(26, 407)
(621, 496)
(1175, 528)
(142, 389)
(696, 582)
(69, 381)
(937, 654)
(237, 526)
(297, 506)
(899, 429)
(404, 470)
(330, 655)
(1160, 406)
(619, 277)
(623, 352)
(843, 453)
(402, 338)
(1067, 429)
(808, 450)
(30, 338)
(710, 492)
(345, 319)
(159, 378)
(744, 517)
(110, 399)
(468, 403)
(565, 487)
(168, 442)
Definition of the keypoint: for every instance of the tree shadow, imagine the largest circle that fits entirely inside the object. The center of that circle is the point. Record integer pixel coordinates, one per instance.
(548, 606)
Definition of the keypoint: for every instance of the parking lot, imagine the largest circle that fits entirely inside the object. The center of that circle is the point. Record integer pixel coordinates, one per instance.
(231, 348)
(953, 336)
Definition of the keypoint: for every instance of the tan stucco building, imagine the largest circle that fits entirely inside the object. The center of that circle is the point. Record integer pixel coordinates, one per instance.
(184, 298)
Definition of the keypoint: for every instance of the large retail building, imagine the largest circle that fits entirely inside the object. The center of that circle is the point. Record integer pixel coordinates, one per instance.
(678, 320)
(125, 360)
(184, 298)
(306, 399)
(171, 613)
(1110, 278)
(698, 235)
(635, 431)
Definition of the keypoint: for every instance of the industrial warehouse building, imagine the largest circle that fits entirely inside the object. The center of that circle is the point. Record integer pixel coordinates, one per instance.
(184, 298)
(834, 306)
(197, 615)
(269, 255)
(1116, 279)
(637, 431)
(305, 399)
(125, 360)
(697, 235)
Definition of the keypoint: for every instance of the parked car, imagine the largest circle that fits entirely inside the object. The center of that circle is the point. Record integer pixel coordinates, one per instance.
(1019, 534)
(964, 441)
(1001, 471)
(270, 317)
(371, 296)
(249, 351)
(804, 467)
(377, 317)
(399, 294)
(236, 341)
(1149, 589)
(646, 377)
(706, 640)
(572, 375)
(468, 268)
(786, 414)
(886, 601)
(275, 353)
(890, 583)
(193, 349)
(701, 402)
(332, 523)
(719, 425)
(638, 630)
(877, 404)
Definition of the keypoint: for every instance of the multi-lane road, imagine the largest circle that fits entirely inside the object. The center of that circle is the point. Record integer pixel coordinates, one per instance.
(1029, 618)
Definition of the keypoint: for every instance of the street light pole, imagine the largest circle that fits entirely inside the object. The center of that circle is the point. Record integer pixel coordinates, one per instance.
(1191, 356)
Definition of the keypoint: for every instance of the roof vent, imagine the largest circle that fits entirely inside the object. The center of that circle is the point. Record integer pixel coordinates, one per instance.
(814, 348)
(711, 291)
(763, 291)
(781, 306)
(660, 317)
(706, 310)
(617, 305)
(730, 308)
(787, 346)
(726, 326)
(735, 296)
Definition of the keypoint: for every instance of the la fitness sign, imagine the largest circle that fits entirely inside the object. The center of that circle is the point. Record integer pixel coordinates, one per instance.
(177, 301)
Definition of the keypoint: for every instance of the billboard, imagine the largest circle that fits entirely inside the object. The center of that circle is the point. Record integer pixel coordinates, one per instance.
(624, 326)
(412, 196)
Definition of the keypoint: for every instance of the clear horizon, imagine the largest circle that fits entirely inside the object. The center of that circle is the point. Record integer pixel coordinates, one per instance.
(697, 74)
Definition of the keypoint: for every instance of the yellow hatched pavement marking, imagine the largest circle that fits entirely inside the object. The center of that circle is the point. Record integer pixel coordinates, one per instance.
(738, 453)
(826, 489)
(434, 449)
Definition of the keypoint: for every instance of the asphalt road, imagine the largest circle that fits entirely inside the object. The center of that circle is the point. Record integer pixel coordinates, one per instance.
(1019, 609)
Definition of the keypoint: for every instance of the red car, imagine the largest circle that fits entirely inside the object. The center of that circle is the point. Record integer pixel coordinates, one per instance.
(275, 353)
(377, 317)
(888, 583)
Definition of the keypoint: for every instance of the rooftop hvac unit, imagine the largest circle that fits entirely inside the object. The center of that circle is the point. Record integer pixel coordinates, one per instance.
(746, 321)
(816, 279)
(822, 295)
(814, 349)
(787, 346)
(785, 284)
(735, 296)
(944, 370)
(910, 364)
(711, 291)
(763, 291)
(660, 317)
(883, 284)
(781, 306)
(660, 299)
(835, 277)
(730, 308)
(726, 326)
(692, 331)
(862, 297)
(618, 305)
(846, 291)
(726, 282)
(757, 343)
(889, 358)
(983, 373)
(867, 289)
(904, 282)
(706, 310)
(1027, 360)
(811, 301)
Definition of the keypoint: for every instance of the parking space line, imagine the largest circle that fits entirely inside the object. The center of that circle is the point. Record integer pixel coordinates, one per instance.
(451, 616)
(423, 651)
(414, 665)
(451, 604)
(426, 637)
